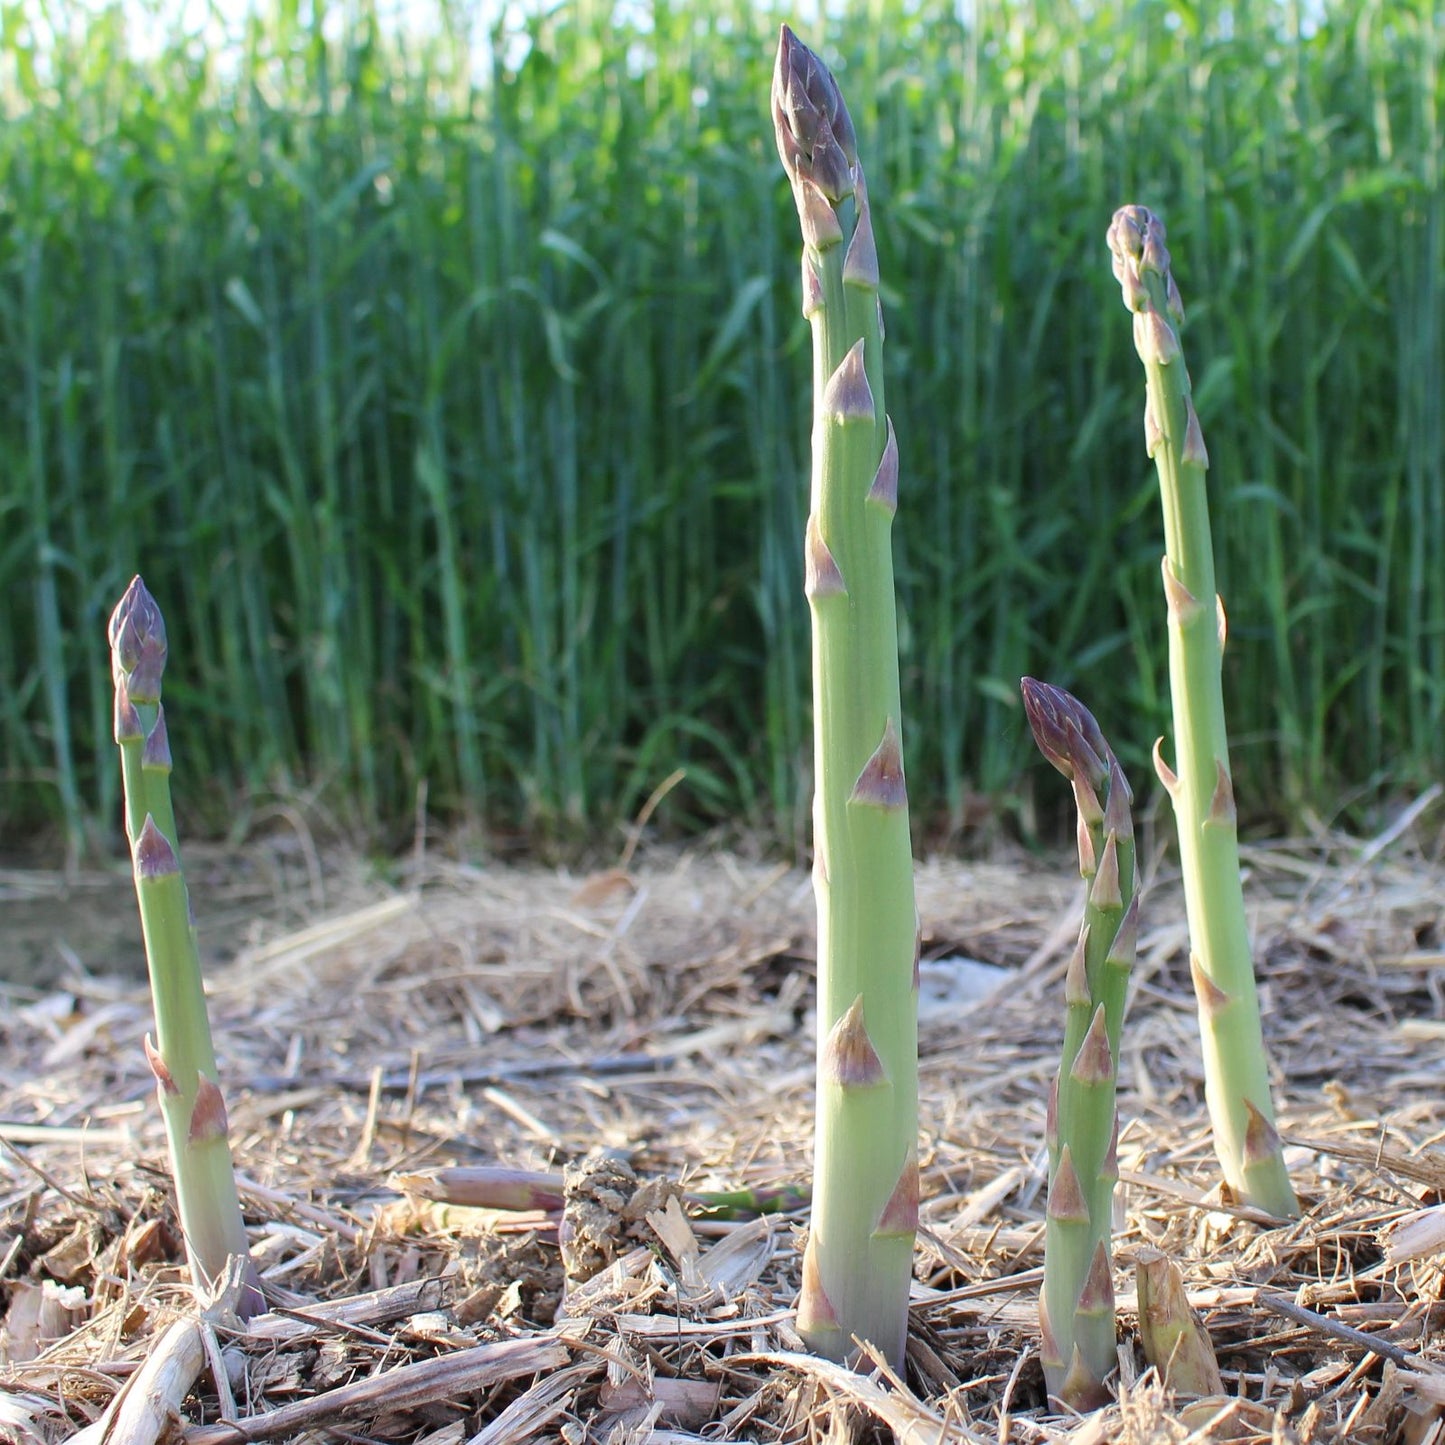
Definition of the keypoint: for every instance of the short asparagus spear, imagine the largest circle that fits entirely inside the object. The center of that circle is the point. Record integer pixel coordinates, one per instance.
(182, 1057)
(1076, 1308)
(1174, 1338)
(859, 1261)
(1236, 1071)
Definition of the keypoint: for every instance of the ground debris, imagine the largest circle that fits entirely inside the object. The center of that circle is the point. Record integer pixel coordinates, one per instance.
(649, 1039)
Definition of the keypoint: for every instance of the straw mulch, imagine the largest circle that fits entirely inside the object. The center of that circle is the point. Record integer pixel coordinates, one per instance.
(470, 1016)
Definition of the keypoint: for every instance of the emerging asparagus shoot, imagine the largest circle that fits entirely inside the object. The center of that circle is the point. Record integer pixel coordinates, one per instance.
(859, 1260)
(1076, 1308)
(1236, 1071)
(182, 1057)
(1174, 1338)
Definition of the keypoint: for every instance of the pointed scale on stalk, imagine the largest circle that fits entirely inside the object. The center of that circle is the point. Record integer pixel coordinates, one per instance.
(1076, 1307)
(1236, 1069)
(182, 1057)
(859, 1260)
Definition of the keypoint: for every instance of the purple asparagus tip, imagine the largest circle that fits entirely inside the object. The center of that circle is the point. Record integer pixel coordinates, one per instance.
(1067, 734)
(138, 642)
(814, 131)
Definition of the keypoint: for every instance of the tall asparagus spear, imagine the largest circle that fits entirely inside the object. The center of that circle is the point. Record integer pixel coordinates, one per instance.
(859, 1260)
(182, 1057)
(1076, 1308)
(1236, 1071)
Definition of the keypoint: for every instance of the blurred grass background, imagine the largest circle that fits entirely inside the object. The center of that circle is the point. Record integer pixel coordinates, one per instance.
(447, 383)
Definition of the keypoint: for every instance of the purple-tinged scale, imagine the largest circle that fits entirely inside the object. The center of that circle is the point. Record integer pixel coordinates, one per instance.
(849, 1059)
(881, 783)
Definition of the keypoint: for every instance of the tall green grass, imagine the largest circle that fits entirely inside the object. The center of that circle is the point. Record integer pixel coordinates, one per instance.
(444, 382)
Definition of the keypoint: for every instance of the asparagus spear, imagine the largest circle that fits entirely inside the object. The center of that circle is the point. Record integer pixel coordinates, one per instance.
(1236, 1070)
(859, 1260)
(182, 1057)
(1076, 1308)
(1174, 1338)
(483, 1186)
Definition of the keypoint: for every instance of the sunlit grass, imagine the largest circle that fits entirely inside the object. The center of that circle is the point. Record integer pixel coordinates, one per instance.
(449, 396)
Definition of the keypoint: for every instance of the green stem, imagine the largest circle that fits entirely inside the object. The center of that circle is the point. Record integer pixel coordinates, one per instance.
(182, 1057)
(859, 1260)
(1076, 1306)
(1236, 1070)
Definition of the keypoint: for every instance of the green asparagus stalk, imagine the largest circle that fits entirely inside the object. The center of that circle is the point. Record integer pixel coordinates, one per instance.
(858, 1264)
(1236, 1070)
(181, 1057)
(1174, 1338)
(1076, 1307)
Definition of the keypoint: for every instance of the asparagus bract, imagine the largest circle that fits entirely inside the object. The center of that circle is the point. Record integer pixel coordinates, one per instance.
(1076, 1307)
(859, 1260)
(1236, 1072)
(182, 1056)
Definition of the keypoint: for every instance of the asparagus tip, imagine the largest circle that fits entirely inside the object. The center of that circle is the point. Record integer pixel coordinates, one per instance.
(811, 123)
(1066, 733)
(138, 642)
